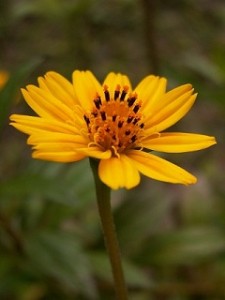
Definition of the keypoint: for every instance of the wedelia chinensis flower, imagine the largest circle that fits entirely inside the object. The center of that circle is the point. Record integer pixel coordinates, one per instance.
(113, 123)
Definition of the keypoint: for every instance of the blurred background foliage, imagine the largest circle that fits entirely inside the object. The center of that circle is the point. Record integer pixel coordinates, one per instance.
(172, 237)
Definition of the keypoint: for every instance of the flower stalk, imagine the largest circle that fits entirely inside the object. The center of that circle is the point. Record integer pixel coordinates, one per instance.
(110, 236)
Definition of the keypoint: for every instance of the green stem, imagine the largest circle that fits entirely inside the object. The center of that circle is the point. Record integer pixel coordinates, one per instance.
(110, 237)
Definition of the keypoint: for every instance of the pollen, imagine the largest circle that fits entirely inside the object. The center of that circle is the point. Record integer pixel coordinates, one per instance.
(115, 122)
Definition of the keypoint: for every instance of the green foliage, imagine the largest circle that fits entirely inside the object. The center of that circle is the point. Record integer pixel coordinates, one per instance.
(9, 91)
(134, 276)
(59, 256)
(185, 246)
(172, 238)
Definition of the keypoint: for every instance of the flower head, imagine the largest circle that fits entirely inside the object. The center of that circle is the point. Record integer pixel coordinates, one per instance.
(111, 122)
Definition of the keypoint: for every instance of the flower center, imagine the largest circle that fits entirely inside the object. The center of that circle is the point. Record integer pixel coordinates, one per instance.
(115, 123)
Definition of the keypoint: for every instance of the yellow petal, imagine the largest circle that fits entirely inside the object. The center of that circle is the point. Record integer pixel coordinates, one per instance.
(150, 91)
(58, 156)
(46, 105)
(75, 141)
(160, 169)
(54, 147)
(95, 152)
(79, 117)
(172, 107)
(59, 87)
(86, 88)
(173, 95)
(177, 142)
(30, 124)
(112, 80)
(118, 172)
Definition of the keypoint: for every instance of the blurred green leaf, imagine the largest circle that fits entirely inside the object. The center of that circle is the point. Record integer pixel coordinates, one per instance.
(138, 217)
(11, 88)
(185, 246)
(204, 67)
(59, 256)
(54, 9)
(66, 184)
(135, 277)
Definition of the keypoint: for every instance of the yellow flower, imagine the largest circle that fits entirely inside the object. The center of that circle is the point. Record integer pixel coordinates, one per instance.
(3, 78)
(112, 123)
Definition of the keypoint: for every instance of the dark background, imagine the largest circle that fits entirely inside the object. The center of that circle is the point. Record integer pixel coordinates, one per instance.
(172, 237)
